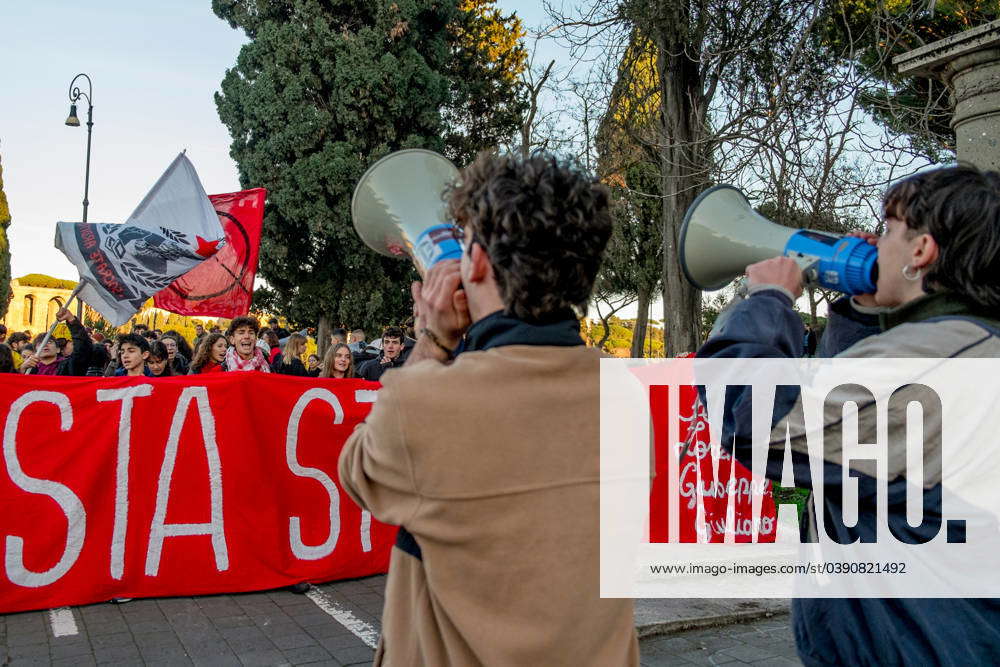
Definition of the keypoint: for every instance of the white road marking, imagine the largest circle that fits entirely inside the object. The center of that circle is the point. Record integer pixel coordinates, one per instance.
(358, 628)
(63, 623)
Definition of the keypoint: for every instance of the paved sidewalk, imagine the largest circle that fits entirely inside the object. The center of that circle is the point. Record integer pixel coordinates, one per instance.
(766, 643)
(271, 628)
(338, 624)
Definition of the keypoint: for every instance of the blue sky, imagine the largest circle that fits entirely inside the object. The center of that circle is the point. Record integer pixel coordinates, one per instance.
(155, 67)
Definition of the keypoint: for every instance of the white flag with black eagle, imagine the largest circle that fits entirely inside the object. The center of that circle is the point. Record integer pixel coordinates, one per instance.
(173, 229)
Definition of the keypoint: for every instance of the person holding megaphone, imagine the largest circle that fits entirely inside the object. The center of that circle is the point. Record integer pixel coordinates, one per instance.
(937, 295)
(489, 460)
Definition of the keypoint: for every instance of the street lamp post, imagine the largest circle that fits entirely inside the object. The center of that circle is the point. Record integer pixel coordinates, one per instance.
(74, 95)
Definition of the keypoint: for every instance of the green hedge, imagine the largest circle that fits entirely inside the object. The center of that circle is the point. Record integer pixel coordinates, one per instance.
(42, 280)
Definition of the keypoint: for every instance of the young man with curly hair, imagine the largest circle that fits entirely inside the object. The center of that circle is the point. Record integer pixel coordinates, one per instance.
(490, 462)
(243, 354)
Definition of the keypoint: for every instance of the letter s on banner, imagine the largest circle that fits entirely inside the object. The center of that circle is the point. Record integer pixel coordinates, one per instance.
(300, 549)
(68, 501)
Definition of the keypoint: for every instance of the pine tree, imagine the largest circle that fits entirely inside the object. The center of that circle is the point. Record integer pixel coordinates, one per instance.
(321, 91)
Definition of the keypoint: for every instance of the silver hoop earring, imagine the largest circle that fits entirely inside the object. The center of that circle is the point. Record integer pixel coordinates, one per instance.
(909, 276)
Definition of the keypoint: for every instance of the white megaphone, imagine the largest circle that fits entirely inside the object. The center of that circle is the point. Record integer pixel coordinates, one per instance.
(722, 235)
(398, 208)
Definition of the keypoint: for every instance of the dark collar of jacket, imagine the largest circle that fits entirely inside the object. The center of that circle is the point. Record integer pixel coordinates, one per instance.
(936, 304)
(121, 372)
(500, 328)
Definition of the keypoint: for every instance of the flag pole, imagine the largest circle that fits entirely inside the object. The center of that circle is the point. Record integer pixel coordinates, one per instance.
(48, 335)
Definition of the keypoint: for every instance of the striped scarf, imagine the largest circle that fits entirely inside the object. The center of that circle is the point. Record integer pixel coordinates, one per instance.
(235, 362)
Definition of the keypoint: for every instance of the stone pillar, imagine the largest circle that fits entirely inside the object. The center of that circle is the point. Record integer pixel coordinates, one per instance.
(969, 64)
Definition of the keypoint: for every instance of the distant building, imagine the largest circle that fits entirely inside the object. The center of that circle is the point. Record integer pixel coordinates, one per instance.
(35, 300)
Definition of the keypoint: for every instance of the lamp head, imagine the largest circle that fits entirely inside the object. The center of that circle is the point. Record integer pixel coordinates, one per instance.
(72, 120)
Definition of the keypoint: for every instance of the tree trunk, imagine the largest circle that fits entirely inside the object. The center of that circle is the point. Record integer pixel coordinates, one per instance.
(641, 324)
(323, 335)
(684, 163)
(813, 322)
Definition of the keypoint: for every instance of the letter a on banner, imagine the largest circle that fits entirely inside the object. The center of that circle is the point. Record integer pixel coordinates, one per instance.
(299, 548)
(69, 503)
(159, 528)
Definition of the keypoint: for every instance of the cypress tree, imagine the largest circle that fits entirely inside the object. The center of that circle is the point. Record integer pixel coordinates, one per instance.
(321, 91)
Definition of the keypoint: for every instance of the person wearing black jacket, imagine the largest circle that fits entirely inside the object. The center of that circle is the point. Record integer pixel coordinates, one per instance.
(280, 332)
(77, 360)
(290, 362)
(391, 357)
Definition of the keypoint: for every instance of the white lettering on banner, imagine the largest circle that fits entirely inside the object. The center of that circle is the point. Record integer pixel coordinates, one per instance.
(159, 528)
(69, 503)
(126, 396)
(366, 396)
(299, 548)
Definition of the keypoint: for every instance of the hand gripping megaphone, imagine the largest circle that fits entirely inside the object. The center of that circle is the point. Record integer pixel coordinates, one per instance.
(722, 235)
(398, 210)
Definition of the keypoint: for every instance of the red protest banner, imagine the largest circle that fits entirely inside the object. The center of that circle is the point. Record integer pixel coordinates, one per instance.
(713, 494)
(140, 487)
(222, 285)
(722, 486)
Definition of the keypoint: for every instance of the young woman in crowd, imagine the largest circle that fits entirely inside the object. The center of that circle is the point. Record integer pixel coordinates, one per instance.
(289, 363)
(210, 355)
(159, 360)
(313, 366)
(338, 362)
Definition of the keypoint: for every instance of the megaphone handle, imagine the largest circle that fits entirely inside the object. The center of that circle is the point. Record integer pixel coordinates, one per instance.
(808, 264)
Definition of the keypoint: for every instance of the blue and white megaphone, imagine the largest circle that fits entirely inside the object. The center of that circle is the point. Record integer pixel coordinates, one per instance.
(722, 235)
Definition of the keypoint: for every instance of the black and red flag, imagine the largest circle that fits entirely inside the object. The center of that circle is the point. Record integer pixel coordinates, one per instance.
(222, 286)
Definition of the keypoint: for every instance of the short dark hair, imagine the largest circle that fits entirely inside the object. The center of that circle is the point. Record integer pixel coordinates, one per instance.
(339, 332)
(139, 327)
(3, 330)
(544, 225)
(393, 332)
(133, 339)
(148, 335)
(273, 320)
(960, 208)
(243, 321)
(17, 337)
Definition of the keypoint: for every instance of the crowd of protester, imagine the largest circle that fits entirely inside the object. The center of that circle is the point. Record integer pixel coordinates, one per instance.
(244, 346)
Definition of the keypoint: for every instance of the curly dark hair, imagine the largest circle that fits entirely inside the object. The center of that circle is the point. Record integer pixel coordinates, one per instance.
(544, 225)
(960, 208)
(243, 321)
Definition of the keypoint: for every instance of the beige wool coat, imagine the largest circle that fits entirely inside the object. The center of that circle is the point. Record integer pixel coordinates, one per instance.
(491, 463)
